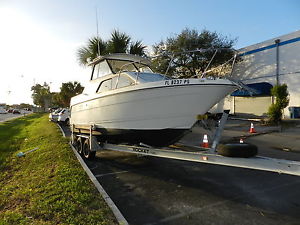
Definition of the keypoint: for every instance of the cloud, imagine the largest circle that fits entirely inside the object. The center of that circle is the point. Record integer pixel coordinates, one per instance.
(29, 52)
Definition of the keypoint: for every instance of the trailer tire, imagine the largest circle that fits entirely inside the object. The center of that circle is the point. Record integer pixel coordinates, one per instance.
(86, 151)
(78, 145)
(241, 150)
(67, 122)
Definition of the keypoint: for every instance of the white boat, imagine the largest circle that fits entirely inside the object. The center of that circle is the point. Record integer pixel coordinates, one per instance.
(126, 102)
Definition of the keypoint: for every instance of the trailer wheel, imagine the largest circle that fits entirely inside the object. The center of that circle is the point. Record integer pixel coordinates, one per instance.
(67, 122)
(87, 153)
(241, 150)
(78, 145)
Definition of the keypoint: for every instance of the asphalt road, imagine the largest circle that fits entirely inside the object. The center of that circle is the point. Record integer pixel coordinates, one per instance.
(162, 191)
(8, 116)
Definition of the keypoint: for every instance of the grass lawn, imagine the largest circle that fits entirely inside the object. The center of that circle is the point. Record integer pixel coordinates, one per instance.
(47, 186)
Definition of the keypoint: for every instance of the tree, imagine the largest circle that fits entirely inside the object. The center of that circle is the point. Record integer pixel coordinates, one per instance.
(25, 105)
(90, 51)
(137, 48)
(119, 42)
(281, 94)
(67, 91)
(41, 95)
(56, 100)
(191, 63)
(44, 98)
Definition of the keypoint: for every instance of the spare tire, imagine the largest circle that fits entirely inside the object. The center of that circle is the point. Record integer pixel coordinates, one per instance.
(241, 150)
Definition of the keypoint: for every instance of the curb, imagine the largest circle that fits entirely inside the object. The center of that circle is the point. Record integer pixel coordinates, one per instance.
(259, 133)
(120, 218)
(246, 119)
(232, 139)
(62, 131)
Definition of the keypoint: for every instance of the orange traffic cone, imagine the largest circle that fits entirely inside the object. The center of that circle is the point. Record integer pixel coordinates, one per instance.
(205, 142)
(252, 130)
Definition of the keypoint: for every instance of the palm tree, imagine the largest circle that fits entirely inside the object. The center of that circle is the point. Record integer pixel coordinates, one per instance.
(118, 43)
(90, 51)
(137, 48)
(69, 90)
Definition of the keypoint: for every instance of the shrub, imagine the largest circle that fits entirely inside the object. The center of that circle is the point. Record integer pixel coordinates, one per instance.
(282, 100)
(275, 113)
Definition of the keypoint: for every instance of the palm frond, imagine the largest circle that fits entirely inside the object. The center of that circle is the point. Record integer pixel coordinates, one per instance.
(119, 42)
(137, 48)
(89, 52)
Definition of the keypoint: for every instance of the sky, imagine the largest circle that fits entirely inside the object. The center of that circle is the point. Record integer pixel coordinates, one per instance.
(39, 38)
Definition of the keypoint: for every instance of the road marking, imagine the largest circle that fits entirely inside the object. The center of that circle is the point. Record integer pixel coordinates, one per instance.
(92, 168)
(120, 218)
(107, 174)
(180, 215)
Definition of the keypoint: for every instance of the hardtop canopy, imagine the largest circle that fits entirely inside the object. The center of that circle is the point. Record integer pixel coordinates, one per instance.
(122, 57)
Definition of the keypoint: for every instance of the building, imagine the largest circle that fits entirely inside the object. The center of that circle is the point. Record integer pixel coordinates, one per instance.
(263, 65)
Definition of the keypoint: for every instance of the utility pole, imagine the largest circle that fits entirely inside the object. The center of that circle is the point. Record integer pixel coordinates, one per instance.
(277, 41)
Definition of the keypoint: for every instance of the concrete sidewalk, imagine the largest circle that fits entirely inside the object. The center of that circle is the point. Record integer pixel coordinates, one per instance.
(286, 138)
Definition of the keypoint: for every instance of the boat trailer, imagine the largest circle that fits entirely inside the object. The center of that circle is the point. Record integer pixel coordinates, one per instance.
(87, 145)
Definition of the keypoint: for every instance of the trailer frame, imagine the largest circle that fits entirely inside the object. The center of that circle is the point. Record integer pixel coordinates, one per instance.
(198, 154)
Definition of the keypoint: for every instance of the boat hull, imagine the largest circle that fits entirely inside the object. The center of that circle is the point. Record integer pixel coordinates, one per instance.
(156, 115)
(156, 138)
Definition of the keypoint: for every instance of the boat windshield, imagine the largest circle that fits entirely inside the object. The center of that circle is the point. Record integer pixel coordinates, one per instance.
(57, 111)
(143, 68)
(148, 77)
(101, 69)
(128, 66)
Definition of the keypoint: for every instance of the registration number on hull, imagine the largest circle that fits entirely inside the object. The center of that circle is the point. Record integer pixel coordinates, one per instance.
(177, 82)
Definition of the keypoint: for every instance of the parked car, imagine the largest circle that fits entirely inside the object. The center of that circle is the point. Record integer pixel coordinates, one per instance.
(64, 116)
(27, 109)
(16, 111)
(53, 116)
(2, 111)
(10, 110)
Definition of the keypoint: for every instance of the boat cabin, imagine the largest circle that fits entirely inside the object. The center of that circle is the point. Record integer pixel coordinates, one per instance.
(122, 70)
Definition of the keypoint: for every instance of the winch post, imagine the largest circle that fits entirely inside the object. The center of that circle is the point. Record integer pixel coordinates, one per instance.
(219, 130)
(72, 134)
(94, 145)
(91, 135)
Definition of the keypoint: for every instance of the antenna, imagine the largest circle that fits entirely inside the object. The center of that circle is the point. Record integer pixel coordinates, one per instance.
(97, 31)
